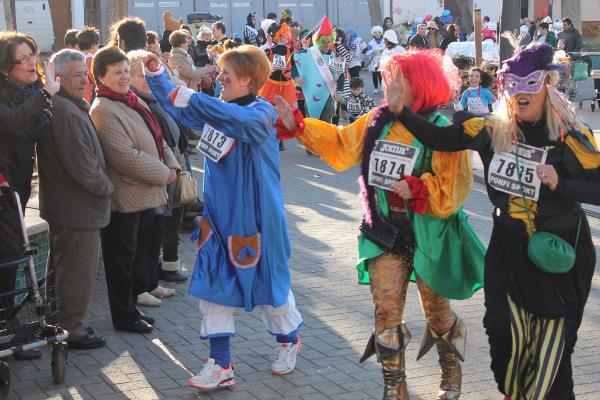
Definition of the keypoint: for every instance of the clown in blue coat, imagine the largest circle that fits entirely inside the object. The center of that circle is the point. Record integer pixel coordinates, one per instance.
(243, 242)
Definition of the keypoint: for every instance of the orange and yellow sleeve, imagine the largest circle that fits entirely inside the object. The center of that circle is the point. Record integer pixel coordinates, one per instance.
(339, 146)
(450, 183)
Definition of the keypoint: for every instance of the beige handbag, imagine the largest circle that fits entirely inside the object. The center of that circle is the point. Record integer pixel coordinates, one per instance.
(186, 189)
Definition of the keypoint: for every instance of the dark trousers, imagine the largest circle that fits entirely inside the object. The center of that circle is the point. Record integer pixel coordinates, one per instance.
(170, 242)
(376, 75)
(72, 265)
(11, 247)
(124, 245)
(355, 71)
(146, 264)
(497, 314)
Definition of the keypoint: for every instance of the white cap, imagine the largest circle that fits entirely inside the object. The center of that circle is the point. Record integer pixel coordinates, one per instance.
(524, 29)
(376, 29)
(391, 36)
(265, 24)
(548, 20)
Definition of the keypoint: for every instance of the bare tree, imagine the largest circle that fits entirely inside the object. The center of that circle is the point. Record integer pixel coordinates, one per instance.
(572, 9)
(464, 10)
(91, 16)
(509, 21)
(375, 12)
(117, 9)
(9, 15)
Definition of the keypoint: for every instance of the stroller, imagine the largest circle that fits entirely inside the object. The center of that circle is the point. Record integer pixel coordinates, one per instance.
(25, 311)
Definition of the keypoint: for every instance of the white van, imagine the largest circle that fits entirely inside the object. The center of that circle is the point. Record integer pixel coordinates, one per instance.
(34, 19)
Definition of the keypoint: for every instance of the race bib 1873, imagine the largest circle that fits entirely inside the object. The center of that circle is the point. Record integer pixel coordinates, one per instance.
(214, 144)
(389, 161)
(503, 174)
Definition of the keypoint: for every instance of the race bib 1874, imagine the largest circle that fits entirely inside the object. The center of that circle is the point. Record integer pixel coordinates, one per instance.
(389, 162)
(522, 180)
(214, 144)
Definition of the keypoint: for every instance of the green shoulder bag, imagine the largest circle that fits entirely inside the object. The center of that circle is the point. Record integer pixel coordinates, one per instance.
(549, 252)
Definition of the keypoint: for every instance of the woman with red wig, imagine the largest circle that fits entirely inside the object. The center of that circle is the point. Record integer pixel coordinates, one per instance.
(414, 227)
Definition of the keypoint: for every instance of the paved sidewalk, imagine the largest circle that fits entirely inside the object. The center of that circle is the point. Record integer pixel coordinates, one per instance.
(323, 215)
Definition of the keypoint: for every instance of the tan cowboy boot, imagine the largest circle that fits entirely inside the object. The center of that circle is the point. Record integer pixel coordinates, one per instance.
(389, 345)
(451, 349)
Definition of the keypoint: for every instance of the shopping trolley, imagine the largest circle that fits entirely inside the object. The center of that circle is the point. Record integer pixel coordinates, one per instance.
(26, 310)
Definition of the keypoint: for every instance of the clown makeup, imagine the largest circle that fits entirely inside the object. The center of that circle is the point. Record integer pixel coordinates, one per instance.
(233, 86)
(530, 84)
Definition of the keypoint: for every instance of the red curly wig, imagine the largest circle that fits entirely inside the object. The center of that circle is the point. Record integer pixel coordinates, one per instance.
(430, 85)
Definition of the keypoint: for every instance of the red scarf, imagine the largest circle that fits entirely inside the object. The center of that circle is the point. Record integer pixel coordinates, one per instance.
(132, 101)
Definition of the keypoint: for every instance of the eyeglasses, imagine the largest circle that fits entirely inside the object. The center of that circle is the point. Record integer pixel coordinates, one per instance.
(26, 59)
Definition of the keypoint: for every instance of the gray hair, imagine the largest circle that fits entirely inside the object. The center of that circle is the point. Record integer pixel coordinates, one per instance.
(62, 58)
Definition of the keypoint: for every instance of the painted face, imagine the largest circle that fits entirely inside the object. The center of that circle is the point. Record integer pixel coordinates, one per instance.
(530, 84)
(232, 85)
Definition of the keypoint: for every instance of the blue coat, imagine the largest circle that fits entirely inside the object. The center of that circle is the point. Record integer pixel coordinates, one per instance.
(244, 248)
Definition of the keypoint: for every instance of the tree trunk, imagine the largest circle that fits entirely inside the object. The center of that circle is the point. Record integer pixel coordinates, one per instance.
(91, 16)
(572, 9)
(116, 10)
(464, 10)
(509, 21)
(9, 15)
(375, 12)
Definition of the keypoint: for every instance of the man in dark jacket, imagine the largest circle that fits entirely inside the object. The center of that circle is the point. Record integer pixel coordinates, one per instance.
(570, 36)
(74, 198)
(420, 39)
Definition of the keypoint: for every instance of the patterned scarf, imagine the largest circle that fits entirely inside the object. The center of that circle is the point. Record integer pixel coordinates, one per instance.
(20, 95)
(132, 101)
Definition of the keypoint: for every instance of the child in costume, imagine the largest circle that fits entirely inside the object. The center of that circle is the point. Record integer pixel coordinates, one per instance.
(281, 57)
(413, 222)
(358, 103)
(243, 242)
(373, 54)
(535, 290)
(476, 99)
(322, 72)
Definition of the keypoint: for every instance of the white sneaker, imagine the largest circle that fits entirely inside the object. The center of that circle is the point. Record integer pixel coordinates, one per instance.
(285, 358)
(375, 91)
(212, 376)
(160, 291)
(146, 299)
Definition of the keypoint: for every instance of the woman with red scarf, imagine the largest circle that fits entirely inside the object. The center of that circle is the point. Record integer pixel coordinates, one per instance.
(140, 165)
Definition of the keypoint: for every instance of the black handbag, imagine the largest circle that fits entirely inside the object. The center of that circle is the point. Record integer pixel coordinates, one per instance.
(390, 237)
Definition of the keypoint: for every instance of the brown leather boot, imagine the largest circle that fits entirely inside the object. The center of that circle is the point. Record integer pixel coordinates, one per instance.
(451, 349)
(389, 345)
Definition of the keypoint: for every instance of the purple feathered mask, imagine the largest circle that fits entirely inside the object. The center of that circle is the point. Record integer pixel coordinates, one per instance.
(527, 70)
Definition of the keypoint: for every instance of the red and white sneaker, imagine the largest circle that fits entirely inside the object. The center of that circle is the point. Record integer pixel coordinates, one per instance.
(212, 377)
(285, 358)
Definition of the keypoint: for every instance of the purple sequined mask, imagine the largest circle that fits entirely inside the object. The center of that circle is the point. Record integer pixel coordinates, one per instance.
(530, 84)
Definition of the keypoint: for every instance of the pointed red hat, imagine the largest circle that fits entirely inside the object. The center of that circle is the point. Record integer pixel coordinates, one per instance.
(324, 31)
